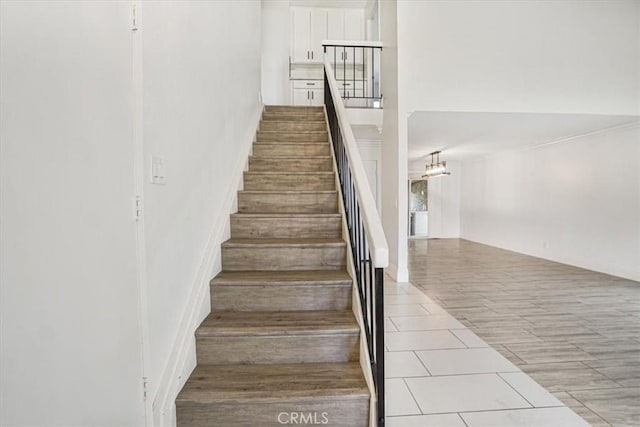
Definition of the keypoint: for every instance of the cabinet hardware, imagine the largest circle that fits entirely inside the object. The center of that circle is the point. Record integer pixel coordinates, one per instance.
(307, 94)
(312, 97)
(311, 54)
(310, 84)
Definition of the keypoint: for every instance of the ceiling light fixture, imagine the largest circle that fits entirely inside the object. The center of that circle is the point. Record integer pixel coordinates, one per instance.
(436, 167)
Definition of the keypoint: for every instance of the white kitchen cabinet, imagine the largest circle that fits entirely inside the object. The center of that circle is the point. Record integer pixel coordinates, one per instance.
(335, 24)
(353, 24)
(300, 35)
(307, 92)
(301, 97)
(318, 33)
(350, 89)
(308, 29)
(346, 24)
(314, 97)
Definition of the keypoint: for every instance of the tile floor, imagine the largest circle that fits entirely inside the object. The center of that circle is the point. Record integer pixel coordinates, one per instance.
(575, 332)
(439, 373)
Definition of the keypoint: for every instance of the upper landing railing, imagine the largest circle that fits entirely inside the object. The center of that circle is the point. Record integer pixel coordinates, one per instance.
(356, 67)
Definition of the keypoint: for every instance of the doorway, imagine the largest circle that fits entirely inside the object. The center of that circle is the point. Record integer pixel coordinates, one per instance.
(418, 208)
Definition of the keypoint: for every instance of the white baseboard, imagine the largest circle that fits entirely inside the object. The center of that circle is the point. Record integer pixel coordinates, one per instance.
(182, 359)
(400, 275)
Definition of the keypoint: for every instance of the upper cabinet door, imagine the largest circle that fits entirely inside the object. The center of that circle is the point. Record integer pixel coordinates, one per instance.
(317, 33)
(300, 34)
(354, 24)
(335, 24)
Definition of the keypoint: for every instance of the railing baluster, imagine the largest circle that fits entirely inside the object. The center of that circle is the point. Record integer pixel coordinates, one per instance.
(373, 73)
(379, 344)
(368, 277)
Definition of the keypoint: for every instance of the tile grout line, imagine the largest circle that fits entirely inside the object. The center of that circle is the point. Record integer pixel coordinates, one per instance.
(413, 396)
(520, 394)
(463, 421)
(422, 363)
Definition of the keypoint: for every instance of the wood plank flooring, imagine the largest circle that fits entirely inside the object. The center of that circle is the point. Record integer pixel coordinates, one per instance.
(576, 332)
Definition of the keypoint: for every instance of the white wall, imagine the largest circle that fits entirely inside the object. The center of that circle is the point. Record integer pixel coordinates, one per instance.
(70, 352)
(394, 147)
(522, 56)
(72, 317)
(200, 102)
(576, 202)
(444, 203)
(275, 52)
(530, 56)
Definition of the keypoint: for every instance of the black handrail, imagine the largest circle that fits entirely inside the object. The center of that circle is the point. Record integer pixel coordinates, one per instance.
(369, 279)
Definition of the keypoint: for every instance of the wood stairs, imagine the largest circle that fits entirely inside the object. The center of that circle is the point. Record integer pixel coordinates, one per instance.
(281, 342)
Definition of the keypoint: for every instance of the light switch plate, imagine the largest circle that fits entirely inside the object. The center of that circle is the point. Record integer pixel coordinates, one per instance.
(158, 175)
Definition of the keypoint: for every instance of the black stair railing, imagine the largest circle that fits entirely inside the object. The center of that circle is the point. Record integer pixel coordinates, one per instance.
(367, 240)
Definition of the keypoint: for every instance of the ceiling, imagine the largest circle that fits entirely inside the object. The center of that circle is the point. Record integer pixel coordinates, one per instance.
(464, 135)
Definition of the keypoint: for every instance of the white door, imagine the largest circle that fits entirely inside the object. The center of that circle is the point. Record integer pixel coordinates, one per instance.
(301, 96)
(354, 30)
(300, 29)
(335, 24)
(317, 97)
(317, 33)
(353, 24)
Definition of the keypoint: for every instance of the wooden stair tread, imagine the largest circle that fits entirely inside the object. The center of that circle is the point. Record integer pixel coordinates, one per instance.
(288, 191)
(323, 173)
(289, 142)
(283, 158)
(286, 216)
(293, 131)
(293, 144)
(235, 323)
(318, 120)
(280, 158)
(304, 277)
(286, 107)
(271, 383)
(234, 242)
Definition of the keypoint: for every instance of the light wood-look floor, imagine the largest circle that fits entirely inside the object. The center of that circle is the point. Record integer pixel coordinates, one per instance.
(576, 332)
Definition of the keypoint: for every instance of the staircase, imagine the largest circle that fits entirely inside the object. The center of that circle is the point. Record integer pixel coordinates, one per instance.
(281, 345)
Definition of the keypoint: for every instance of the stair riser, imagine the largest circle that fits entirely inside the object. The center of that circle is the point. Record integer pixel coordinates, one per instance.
(288, 228)
(331, 348)
(294, 126)
(280, 298)
(309, 182)
(298, 149)
(292, 117)
(338, 412)
(302, 164)
(292, 136)
(283, 257)
(287, 203)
